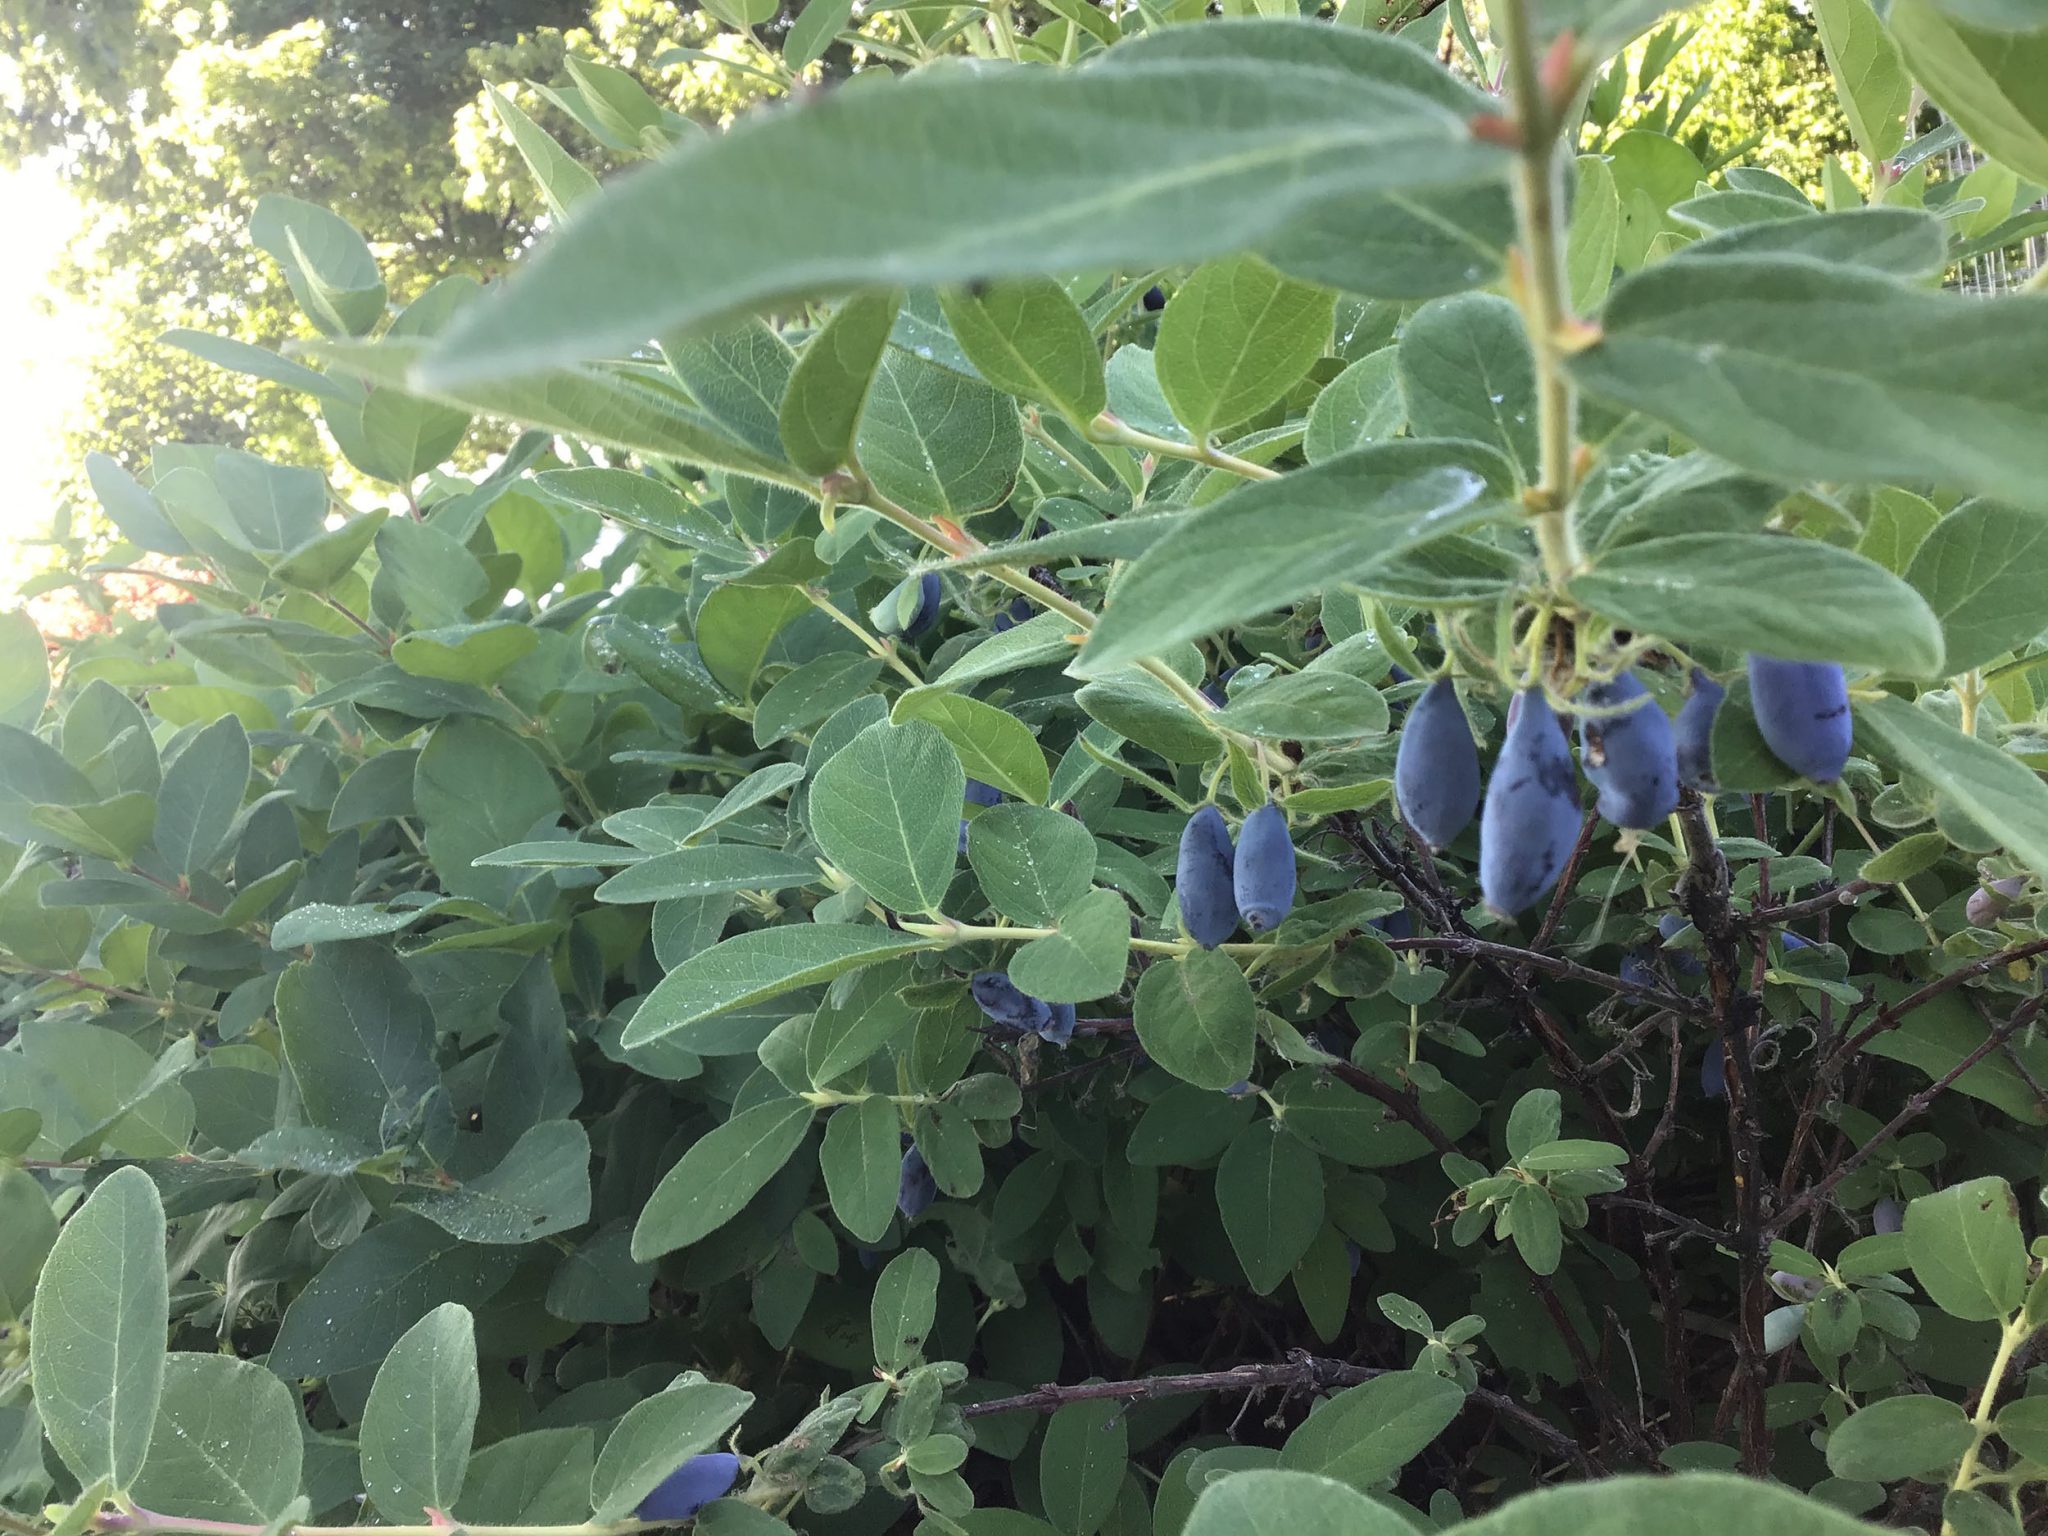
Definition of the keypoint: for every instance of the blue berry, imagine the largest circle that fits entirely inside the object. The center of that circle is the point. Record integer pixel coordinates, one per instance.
(1802, 709)
(690, 1487)
(1204, 878)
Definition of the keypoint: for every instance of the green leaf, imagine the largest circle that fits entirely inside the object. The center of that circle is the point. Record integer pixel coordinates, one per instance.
(1986, 80)
(1269, 1192)
(365, 1297)
(828, 389)
(718, 1175)
(132, 509)
(1983, 569)
(1270, 1502)
(1968, 1252)
(24, 670)
(539, 1478)
(420, 1415)
(738, 375)
(756, 965)
(657, 1435)
(1571, 1155)
(813, 31)
(226, 1444)
(360, 1040)
(324, 559)
(1361, 405)
(737, 625)
(886, 810)
(1899, 1437)
(97, 1348)
(202, 791)
(1467, 372)
(1372, 1430)
(1595, 231)
(329, 266)
(1538, 1235)
(1028, 339)
(1690, 1504)
(466, 653)
(1317, 704)
(1755, 591)
(1270, 543)
(541, 1187)
(1870, 78)
(2023, 1425)
(31, 1227)
(478, 788)
(862, 1162)
(1085, 959)
(1791, 369)
(1196, 1017)
(708, 870)
(1651, 172)
(643, 502)
(905, 1304)
(563, 182)
(2004, 797)
(618, 406)
(862, 1014)
(1232, 149)
(993, 745)
(1033, 863)
(1235, 338)
(937, 442)
(1081, 1465)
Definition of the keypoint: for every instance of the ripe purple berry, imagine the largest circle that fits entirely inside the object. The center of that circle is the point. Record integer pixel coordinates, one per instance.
(1796, 1287)
(1060, 1029)
(1887, 1216)
(1000, 1000)
(1695, 731)
(1436, 770)
(1802, 709)
(1714, 1072)
(1630, 758)
(1531, 816)
(1203, 878)
(1263, 879)
(1155, 299)
(915, 1186)
(690, 1487)
(1669, 927)
(979, 793)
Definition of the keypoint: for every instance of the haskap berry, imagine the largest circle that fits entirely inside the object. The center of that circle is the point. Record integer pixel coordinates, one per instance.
(1531, 816)
(1802, 709)
(1436, 769)
(1003, 1003)
(915, 1187)
(1695, 731)
(1631, 758)
(1204, 878)
(1264, 876)
(690, 1487)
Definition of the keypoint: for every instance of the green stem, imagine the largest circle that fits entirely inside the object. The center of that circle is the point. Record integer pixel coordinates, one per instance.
(1543, 290)
(2011, 1337)
(1028, 585)
(975, 933)
(875, 646)
(1107, 429)
(1035, 430)
(1969, 694)
(145, 1522)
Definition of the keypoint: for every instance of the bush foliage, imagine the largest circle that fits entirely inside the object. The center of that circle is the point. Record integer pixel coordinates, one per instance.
(1177, 787)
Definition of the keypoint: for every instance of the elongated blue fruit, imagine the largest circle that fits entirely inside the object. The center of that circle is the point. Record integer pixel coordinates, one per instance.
(1436, 770)
(915, 1186)
(1636, 967)
(1000, 1000)
(931, 596)
(1794, 941)
(1802, 708)
(1203, 879)
(1060, 1029)
(1887, 1216)
(1669, 927)
(1695, 731)
(1714, 1072)
(1010, 617)
(979, 793)
(1264, 876)
(1630, 758)
(690, 1487)
(1531, 817)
